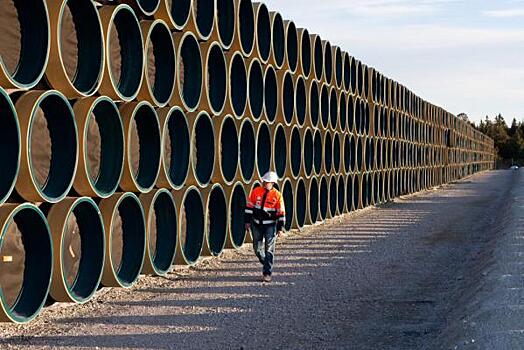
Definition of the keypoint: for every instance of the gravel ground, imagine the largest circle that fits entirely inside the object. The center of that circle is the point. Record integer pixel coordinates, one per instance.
(442, 269)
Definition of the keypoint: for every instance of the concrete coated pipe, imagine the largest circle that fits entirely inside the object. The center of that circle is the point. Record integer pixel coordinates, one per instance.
(215, 78)
(236, 196)
(292, 49)
(101, 146)
(202, 149)
(143, 147)
(158, 83)
(342, 111)
(191, 226)
(125, 228)
(318, 57)
(336, 153)
(318, 150)
(247, 150)
(227, 150)
(333, 197)
(202, 18)
(327, 147)
(27, 262)
(124, 53)
(237, 84)
(49, 147)
(313, 103)
(338, 66)
(300, 204)
(271, 102)
(286, 89)
(10, 151)
(351, 193)
(280, 154)
(245, 27)
(215, 220)
(333, 108)
(161, 231)
(255, 92)
(324, 106)
(341, 195)
(328, 61)
(263, 149)
(346, 72)
(304, 53)
(300, 100)
(144, 7)
(175, 13)
(225, 23)
(323, 200)
(308, 150)
(24, 51)
(278, 40)
(289, 203)
(176, 146)
(263, 31)
(79, 245)
(312, 203)
(77, 52)
(189, 63)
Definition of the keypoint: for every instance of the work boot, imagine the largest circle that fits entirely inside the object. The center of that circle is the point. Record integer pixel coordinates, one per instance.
(266, 278)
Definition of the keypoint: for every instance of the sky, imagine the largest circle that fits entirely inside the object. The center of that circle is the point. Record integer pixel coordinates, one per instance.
(465, 56)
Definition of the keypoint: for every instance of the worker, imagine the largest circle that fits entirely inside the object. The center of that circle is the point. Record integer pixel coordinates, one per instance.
(265, 216)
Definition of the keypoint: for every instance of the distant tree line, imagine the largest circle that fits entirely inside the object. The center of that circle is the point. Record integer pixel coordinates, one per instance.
(509, 141)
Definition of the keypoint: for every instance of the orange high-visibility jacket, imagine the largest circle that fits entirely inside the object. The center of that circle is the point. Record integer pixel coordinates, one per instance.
(266, 207)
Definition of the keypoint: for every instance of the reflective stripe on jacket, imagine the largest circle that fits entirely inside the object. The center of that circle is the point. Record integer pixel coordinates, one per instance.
(266, 207)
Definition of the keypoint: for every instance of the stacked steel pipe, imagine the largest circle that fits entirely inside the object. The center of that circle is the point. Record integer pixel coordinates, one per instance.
(133, 130)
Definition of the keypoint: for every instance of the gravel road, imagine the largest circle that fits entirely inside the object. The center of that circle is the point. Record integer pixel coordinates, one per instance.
(443, 269)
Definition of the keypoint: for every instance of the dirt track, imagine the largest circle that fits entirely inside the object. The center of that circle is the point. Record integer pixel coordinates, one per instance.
(441, 269)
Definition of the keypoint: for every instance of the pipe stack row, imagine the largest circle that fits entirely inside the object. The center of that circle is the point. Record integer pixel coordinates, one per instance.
(132, 132)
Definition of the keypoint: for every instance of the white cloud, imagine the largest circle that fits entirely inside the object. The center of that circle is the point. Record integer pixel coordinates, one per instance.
(506, 13)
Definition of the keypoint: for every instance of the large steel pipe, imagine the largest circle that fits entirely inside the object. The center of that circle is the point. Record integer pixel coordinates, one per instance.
(304, 53)
(227, 150)
(341, 195)
(318, 57)
(278, 40)
(202, 18)
(324, 106)
(158, 84)
(342, 111)
(161, 231)
(247, 150)
(174, 12)
(24, 49)
(300, 100)
(286, 85)
(271, 102)
(328, 152)
(49, 148)
(295, 151)
(236, 196)
(245, 27)
(77, 52)
(346, 72)
(191, 229)
(27, 262)
(328, 61)
(202, 149)
(189, 75)
(336, 153)
(215, 78)
(313, 201)
(255, 93)
(124, 53)
(308, 150)
(289, 203)
(318, 150)
(299, 204)
(351, 194)
(11, 146)
(145, 7)
(143, 146)
(125, 229)
(323, 198)
(313, 103)
(333, 108)
(215, 220)
(225, 23)
(338, 66)
(263, 31)
(292, 49)
(101, 146)
(176, 146)
(333, 197)
(79, 245)
(237, 84)
(263, 149)
(348, 153)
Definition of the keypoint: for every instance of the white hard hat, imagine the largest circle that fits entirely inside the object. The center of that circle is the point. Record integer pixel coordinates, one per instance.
(270, 176)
